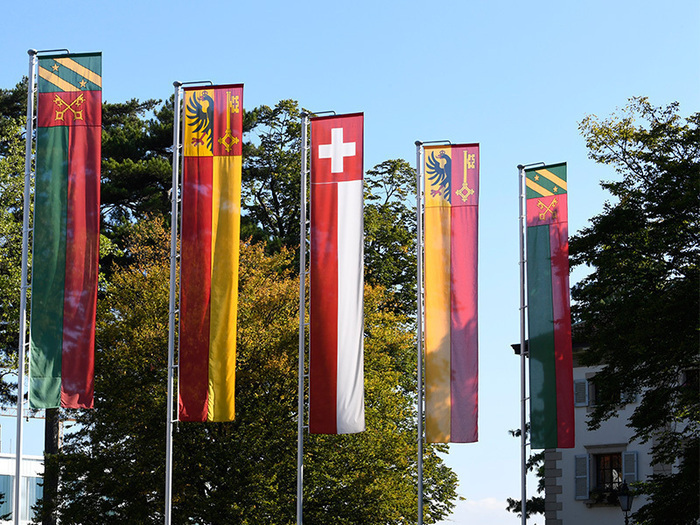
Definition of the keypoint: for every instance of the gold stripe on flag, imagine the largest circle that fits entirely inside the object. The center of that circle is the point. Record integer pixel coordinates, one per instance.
(80, 70)
(537, 188)
(57, 81)
(552, 178)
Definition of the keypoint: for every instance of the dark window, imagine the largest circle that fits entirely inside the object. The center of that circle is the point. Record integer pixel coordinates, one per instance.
(608, 471)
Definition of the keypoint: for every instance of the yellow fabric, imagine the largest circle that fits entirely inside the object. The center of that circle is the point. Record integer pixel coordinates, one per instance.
(226, 199)
(437, 324)
(195, 144)
(437, 307)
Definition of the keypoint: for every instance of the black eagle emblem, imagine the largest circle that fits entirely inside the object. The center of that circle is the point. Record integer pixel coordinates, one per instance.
(201, 120)
(440, 175)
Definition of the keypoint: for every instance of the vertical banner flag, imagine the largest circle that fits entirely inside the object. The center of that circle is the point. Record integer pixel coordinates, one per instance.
(65, 251)
(549, 315)
(451, 318)
(336, 399)
(210, 238)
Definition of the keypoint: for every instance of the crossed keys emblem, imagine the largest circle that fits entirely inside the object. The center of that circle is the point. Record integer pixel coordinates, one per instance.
(465, 191)
(77, 113)
(228, 140)
(542, 206)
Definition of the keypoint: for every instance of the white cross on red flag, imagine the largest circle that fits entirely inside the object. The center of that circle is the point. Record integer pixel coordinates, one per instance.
(336, 398)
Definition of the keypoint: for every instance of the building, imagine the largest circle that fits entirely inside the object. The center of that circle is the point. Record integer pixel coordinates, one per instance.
(581, 482)
(31, 486)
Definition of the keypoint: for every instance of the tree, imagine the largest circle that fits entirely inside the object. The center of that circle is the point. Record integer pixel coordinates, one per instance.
(136, 162)
(112, 465)
(390, 231)
(535, 504)
(12, 151)
(638, 308)
(272, 175)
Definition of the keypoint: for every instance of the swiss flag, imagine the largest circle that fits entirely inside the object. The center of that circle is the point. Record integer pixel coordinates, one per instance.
(336, 276)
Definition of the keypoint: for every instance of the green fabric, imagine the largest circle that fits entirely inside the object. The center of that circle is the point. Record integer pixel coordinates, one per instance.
(543, 390)
(553, 187)
(91, 61)
(48, 268)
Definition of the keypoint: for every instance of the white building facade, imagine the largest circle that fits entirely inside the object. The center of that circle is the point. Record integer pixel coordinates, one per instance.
(581, 482)
(30, 486)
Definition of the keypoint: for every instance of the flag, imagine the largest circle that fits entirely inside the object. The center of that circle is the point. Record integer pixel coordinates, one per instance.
(451, 317)
(336, 396)
(210, 238)
(549, 315)
(65, 252)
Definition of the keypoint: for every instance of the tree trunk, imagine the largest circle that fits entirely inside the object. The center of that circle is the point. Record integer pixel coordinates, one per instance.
(52, 445)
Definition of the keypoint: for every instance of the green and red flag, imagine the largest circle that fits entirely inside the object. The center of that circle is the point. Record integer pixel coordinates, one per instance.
(65, 251)
(549, 313)
(210, 241)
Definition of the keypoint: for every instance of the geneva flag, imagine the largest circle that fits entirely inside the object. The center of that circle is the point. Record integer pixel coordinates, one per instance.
(336, 276)
(210, 237)
(549, 315)
(451, 320)
(66, 231)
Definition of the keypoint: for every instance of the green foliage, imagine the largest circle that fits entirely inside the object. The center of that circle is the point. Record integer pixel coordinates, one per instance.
(272, 175)
(638, 308)
(12, 152)
(390, 231)
(112, 465)
(535, 504)
(136, 160)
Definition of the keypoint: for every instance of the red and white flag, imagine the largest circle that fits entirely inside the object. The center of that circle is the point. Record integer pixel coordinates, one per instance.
(336, 398)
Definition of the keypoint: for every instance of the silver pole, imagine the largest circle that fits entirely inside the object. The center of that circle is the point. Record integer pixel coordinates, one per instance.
(171, 320)
(419, 322)
(23, 285)
(523, 441)
(302, 317)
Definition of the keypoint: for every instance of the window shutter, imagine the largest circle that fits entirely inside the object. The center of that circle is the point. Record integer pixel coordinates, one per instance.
(581, 476)
(580, 393)
(629, 467)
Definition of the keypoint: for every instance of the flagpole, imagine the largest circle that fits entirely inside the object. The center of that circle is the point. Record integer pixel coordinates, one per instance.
(523, 436)
(171, 315)
(23, 286)
(419, 322)
(302, 317)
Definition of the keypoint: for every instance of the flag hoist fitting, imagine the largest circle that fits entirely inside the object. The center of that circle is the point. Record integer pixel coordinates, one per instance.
(65, 252)
(451, 179)
(548, 308)
(336, 404)
(210, 238)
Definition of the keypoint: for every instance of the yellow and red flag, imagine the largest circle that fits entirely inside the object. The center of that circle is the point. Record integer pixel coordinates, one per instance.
(210, 237)
(451, 320)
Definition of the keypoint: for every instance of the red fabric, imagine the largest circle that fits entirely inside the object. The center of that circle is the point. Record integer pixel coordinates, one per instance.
(559, 246)
(56, 113)
(323, 309)
(464, 343)
(195, 278)
(82, 264)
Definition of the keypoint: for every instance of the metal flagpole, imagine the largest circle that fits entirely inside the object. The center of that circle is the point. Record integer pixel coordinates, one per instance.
(302, 317)
(23, 285)
(419, 322)
(172, 311)
(523, 441)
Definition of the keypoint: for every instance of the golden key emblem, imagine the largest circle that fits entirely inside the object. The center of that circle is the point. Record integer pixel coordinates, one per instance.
(542, 206)
(465, 191)
(228, 140)
(77, 113)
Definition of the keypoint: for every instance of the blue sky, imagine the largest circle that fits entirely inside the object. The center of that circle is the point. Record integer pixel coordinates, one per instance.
(517, 77)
